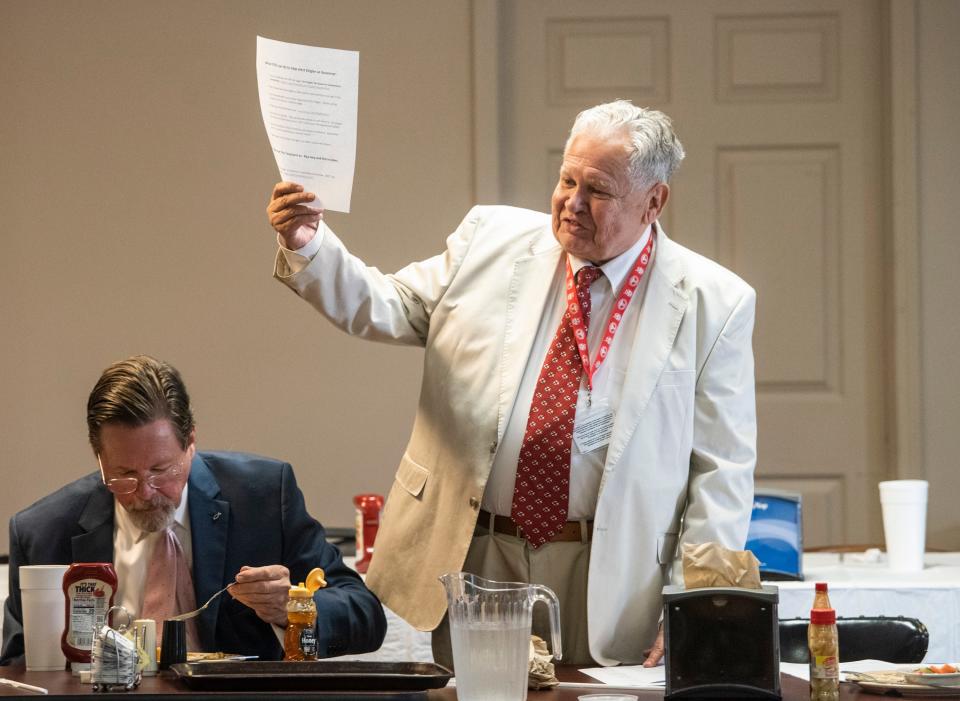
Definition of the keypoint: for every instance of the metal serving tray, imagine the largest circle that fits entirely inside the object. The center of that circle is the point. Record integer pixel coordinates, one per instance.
(322, 675)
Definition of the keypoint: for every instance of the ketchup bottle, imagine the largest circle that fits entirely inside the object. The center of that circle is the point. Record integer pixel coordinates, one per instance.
(368, 521)
(88, 590)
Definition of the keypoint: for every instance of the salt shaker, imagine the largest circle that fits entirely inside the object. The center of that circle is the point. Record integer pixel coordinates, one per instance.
(147, 633)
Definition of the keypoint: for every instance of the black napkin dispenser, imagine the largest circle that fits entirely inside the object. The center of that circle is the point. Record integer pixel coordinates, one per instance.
(721, 642)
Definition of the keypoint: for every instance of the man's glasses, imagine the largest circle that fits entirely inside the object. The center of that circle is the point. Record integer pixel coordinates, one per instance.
(128, 485)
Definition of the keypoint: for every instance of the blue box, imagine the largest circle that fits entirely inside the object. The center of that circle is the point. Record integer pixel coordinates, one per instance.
(776, 534)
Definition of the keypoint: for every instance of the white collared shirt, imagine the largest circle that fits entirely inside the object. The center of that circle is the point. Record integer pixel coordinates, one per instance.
(586, 469)
(133, 548)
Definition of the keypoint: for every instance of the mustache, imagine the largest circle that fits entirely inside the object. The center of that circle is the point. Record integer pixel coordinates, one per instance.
(157, 501)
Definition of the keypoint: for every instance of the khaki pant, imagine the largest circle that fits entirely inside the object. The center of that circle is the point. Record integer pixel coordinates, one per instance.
(562, 566)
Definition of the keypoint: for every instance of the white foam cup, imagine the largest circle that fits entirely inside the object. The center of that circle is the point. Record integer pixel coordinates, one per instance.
(904, 506)
(41, 594)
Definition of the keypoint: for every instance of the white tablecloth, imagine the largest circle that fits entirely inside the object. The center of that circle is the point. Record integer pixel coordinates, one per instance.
(862, 588)
(402, 643)
(857, 588)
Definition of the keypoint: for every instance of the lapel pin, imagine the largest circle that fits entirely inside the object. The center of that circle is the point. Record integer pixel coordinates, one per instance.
(216, 516)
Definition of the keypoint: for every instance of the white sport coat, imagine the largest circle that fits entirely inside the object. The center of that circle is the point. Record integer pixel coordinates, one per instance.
(679, 465)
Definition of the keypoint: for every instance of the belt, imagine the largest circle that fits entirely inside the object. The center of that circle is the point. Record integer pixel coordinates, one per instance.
(571, 531)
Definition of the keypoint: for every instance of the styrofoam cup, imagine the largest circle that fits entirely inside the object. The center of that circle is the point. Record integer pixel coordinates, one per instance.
(41, 593)
(904, 506)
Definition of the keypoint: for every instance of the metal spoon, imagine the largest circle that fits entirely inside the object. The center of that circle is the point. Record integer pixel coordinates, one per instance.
(191, 614)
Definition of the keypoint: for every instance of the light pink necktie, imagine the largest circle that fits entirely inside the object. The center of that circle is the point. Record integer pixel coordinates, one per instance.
(168, 589)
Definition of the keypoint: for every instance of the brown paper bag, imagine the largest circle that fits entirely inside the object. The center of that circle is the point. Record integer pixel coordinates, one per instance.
(712, 565)
(541, 673)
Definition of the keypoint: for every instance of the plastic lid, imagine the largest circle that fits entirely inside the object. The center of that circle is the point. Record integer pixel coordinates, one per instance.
(300, 592)
(823, 617)
(821, 586)
(315, 580)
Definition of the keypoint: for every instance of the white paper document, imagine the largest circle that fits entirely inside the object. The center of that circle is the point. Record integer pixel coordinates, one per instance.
(629, 676)
(308, 99)
(801, 670)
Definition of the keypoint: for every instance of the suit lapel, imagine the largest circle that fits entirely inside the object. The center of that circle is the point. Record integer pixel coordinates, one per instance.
(527, 297)
(209, 524)
(96, 543)
(663, 306)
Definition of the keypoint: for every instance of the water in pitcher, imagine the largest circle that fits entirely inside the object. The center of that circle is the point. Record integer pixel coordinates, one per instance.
(490, 634)
(498, 657)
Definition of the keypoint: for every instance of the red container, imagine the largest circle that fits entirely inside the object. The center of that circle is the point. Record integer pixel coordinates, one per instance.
(88, 591)
(368, 522)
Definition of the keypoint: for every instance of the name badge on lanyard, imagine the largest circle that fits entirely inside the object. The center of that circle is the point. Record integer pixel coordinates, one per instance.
(594, 426)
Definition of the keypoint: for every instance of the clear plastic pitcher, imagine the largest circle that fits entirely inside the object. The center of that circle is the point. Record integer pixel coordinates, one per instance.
(490, 634)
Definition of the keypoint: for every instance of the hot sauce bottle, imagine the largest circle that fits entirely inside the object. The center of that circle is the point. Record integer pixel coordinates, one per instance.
(821, 599)
(88, 590)
(824, 655)
(300, 638)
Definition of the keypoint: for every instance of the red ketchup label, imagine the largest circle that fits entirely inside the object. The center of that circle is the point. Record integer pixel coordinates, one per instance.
(88, 589)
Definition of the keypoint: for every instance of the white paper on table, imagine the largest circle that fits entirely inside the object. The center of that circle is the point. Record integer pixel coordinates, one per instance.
(628, 676)
(800, 670)
(308, 99)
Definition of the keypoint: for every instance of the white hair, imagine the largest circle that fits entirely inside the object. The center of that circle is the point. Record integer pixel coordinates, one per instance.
(655, 151)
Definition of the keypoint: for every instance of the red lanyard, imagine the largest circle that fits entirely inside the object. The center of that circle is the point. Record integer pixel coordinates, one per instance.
(627, 292)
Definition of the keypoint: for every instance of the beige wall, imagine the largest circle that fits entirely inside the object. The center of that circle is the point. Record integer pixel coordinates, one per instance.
(133, 174)
(134, 171)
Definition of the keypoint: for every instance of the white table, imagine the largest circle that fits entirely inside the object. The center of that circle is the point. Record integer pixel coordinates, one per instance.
(859, 587)
(403, 641)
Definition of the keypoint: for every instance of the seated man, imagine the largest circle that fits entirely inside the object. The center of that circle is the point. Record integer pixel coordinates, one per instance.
(156, 503)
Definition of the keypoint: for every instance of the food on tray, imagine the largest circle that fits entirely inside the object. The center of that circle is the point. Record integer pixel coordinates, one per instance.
(210, 656)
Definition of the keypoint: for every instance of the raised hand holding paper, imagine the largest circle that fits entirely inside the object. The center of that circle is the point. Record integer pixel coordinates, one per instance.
(308, 99)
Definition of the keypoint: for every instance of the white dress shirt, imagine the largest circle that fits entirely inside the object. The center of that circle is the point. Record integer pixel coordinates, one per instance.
(133, 548)
(586, 469)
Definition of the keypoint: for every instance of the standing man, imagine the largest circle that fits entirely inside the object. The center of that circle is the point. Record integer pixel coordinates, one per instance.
(588, 395)
(179, 525)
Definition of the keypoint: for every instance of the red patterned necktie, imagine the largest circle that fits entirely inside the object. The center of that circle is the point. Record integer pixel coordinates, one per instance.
(542, 490)
(168, 589)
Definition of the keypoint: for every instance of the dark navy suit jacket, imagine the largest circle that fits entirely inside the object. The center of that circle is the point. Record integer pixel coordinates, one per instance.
(244, 510)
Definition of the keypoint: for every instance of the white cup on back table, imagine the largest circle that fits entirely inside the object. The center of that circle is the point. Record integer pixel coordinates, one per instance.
(41, 594)
(904, 505)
